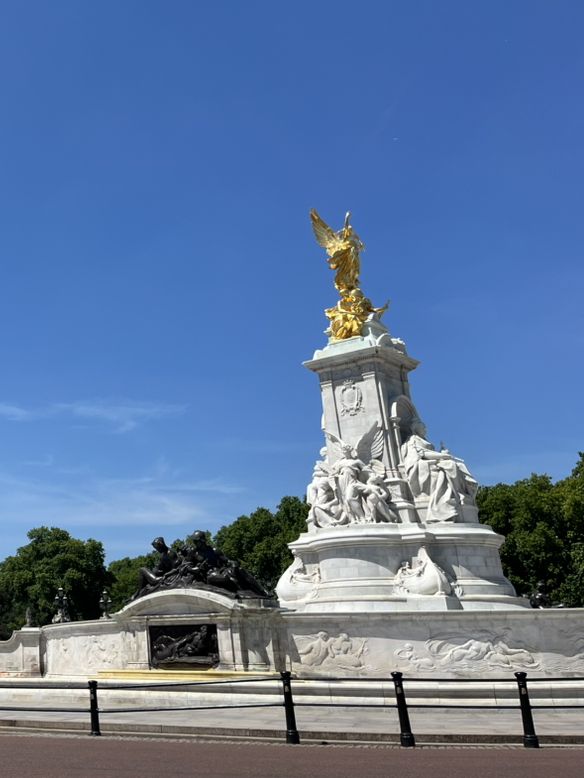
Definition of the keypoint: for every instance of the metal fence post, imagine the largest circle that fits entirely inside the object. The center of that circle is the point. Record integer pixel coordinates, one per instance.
(292, 735)
(93, 709)
(406, 738)
(530, 739)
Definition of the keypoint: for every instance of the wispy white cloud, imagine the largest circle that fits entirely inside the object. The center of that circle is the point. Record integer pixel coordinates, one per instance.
(120, 415)
(124, 416)
(98, 502)
(14, 413)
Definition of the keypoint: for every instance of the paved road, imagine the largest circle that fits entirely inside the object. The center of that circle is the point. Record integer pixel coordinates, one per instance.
(54, 756)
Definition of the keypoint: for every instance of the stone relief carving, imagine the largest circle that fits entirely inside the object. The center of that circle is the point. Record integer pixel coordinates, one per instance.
(329, 653)
(298, 572)
(422, 577)
(437, 475)
(350, 491)
(351, 399)
(408, 654)
(89, 652)
(298, 583)
(184, 644)
(458, 654)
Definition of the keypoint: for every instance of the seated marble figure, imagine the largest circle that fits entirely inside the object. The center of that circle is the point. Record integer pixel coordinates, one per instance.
(438, 476)
(196, 565)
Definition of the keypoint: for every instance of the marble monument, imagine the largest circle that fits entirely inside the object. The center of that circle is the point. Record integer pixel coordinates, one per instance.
(394, 571)
(393, 522)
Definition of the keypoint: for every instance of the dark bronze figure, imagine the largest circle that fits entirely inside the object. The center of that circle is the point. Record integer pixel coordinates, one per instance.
(540, 598)
(167, 562)
(197, 565)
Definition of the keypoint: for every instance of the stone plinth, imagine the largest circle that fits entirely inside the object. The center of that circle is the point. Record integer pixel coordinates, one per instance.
(358, 567)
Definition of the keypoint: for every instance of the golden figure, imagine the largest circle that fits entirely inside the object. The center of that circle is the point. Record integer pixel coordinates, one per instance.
(349, 315)
(343, 248)
(351, 312)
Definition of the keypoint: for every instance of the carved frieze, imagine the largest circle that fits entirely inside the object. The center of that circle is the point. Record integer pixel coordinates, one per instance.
(333, 653)
(485, 651)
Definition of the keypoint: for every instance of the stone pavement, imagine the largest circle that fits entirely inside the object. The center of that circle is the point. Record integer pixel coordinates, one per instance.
(348, 724)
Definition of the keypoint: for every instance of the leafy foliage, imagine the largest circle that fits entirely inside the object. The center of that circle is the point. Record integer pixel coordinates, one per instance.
(31, 577)
(124, 573)
(260, 541)
(543, 524)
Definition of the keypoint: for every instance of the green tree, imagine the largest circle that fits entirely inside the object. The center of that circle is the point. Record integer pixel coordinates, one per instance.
(543, 525)
(260, 541)
(31, 577)
(125, 576)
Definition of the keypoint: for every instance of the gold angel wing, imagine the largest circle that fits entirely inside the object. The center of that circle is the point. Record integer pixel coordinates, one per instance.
(325, 235)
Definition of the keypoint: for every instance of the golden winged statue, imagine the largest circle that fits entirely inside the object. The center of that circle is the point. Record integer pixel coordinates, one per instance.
(351, 312)
(343, 248)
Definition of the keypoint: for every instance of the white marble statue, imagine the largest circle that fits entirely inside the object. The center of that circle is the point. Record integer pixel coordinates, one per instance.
(325, 507)
(350, 491)
(347, 471)
(378, 499)
(437, 475)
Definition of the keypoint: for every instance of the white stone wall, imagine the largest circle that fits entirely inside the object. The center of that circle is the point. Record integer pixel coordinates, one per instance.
(453, 644)
(20, 654)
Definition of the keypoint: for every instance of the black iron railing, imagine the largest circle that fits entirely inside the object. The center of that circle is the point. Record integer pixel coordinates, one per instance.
(407, 737)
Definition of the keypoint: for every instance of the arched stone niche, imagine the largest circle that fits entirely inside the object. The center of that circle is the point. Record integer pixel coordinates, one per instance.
(403, 409)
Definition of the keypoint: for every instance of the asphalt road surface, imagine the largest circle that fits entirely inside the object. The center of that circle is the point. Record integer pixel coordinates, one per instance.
(55, 756)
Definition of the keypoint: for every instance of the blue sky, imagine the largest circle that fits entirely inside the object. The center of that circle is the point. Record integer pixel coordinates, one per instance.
(160, 281)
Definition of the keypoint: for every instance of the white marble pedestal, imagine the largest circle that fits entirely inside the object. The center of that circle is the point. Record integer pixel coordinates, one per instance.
(357, 568)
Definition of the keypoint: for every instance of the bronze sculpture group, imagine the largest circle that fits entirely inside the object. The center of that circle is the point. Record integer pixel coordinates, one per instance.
(197, 565)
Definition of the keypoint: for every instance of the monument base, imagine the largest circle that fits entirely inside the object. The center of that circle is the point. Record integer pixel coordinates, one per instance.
(261, 639)
(397, 567)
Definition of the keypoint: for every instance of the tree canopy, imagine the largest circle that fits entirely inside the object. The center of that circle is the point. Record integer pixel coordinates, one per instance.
(543, 525)
(124, 573)
(31, 577)
(260, 541)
